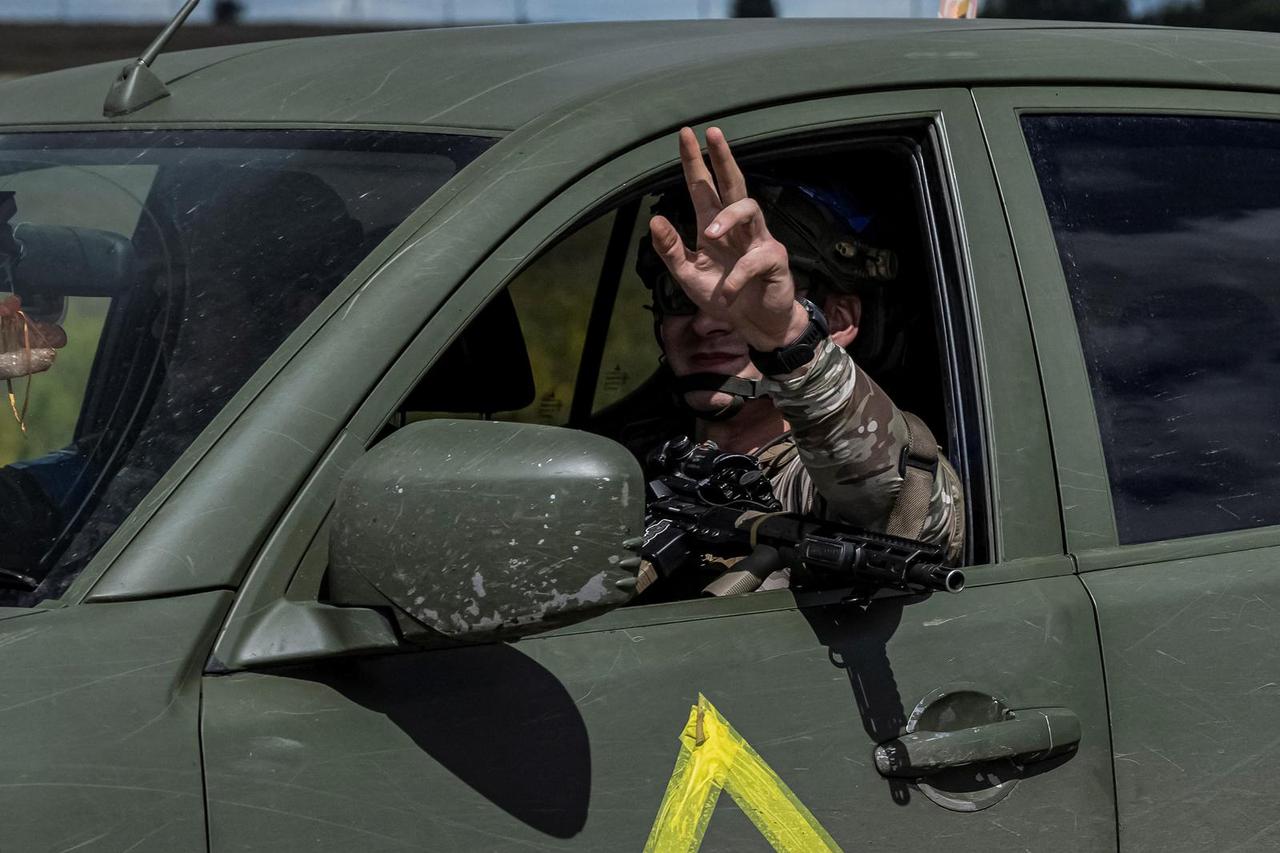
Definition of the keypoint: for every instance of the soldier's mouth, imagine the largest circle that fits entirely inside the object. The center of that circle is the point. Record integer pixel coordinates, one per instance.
(715, 359)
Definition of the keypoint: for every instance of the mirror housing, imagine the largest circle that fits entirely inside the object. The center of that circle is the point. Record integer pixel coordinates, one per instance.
(475, 531)
(64, 260)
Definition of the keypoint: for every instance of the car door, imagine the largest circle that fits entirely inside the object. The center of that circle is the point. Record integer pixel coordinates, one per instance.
(1142, 223)
(321, 732)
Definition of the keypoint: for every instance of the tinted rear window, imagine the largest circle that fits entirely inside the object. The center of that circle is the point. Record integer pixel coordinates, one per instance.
(1168, 229)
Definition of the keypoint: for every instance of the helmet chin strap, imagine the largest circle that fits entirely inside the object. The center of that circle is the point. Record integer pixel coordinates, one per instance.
(739, 390)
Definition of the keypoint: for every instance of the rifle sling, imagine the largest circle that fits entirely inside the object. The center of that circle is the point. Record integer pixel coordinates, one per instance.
(918, 467)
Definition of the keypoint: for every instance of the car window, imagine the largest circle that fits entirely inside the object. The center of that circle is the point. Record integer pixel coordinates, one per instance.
(175, 262)
(555, 298)
(1166, 229)
(552, 302)
(571, 340)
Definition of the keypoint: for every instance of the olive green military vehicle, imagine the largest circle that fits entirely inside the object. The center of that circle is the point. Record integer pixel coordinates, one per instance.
(317, 534)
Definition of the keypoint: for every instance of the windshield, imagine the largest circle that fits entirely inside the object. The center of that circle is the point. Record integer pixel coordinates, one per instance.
(144, 277)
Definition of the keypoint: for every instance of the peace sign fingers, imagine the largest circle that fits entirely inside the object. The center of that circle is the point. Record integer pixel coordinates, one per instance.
(702, 188)
(733, 186)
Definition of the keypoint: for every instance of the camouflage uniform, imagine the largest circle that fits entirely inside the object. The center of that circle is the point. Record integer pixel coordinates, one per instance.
(842, 463)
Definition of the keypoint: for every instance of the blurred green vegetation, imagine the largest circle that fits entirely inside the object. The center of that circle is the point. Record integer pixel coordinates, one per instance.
(553, 298)
(631, 351)
(56, 394)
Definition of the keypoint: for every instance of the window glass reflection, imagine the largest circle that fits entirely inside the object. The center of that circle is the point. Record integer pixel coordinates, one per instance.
(148, 275)
(1167, 232)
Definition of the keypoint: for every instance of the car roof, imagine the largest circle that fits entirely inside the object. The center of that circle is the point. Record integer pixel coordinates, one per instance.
(500, 78)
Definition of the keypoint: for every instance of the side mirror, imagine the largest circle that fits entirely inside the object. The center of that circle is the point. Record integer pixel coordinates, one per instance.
(476, 531)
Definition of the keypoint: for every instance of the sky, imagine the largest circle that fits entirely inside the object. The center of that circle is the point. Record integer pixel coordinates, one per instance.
(433, 11)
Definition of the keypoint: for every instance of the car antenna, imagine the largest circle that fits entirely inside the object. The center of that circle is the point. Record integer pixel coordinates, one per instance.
(137, 85)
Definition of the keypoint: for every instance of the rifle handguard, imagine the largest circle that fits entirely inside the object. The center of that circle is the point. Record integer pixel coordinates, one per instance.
(743, 520)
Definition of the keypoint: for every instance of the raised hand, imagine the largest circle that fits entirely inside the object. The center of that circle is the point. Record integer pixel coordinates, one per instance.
(737, 272)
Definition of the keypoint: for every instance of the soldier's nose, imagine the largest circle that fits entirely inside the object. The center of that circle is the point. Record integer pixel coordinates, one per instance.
(704, 324)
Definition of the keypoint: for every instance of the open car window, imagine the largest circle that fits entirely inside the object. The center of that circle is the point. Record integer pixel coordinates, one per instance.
(570, 340)
(176, 262)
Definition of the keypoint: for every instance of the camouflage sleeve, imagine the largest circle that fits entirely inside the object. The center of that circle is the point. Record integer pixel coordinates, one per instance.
(850, 437)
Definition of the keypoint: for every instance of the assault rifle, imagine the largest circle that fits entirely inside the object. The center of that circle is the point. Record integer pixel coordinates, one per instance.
(705, 501)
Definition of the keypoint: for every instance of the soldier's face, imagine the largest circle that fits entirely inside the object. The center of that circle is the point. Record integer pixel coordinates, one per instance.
(699, 343)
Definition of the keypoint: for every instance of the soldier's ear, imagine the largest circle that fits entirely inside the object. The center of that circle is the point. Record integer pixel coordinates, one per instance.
(844, 313)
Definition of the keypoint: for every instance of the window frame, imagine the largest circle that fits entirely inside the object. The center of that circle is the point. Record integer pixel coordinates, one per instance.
(958, 363)
(937, 219)
(920, 141)
(1085, 490)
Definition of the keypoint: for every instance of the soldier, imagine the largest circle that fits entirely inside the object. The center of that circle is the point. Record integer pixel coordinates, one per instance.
(754, 330)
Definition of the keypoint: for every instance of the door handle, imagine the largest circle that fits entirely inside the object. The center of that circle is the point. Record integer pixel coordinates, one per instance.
(1033, 734)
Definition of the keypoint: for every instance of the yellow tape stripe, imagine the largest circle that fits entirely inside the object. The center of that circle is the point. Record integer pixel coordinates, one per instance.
(774, 808)
(691, 796)
(714, 757)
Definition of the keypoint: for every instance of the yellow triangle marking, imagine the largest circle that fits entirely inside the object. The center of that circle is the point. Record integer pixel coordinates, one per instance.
(713, 757)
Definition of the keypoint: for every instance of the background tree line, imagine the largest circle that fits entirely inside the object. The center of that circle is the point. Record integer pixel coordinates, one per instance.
(1224, 14)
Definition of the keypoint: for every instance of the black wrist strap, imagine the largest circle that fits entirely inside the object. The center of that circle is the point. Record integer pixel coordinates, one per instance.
(799, 352)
